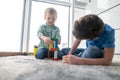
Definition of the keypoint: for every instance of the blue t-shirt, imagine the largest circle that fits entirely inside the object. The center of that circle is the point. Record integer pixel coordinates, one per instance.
(105, 40)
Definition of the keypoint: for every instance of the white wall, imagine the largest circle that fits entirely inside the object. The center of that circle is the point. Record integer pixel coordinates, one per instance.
(111, 16)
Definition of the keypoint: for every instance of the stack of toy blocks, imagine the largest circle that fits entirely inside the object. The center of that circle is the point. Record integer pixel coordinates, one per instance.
(53, 47)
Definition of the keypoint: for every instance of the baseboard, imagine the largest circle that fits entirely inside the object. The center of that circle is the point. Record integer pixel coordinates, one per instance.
(13, 53)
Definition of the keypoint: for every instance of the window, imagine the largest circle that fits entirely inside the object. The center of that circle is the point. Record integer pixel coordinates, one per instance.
(79, 13)
(61, 0)
(10, 24)
(37, 18)
(64, 0)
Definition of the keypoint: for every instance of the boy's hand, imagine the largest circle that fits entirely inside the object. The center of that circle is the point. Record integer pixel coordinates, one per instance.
(46, 39)
(58, 41)
(69, 59)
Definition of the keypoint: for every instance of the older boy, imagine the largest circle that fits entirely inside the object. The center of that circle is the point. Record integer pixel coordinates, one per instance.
(99, 41)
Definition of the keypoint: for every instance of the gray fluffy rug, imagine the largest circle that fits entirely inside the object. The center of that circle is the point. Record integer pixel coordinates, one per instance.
(29, 68)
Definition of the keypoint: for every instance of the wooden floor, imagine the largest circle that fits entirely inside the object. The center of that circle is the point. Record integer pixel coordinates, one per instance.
(13, 53)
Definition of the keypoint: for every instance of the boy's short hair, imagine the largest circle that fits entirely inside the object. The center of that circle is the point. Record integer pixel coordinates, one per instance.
(50, 11)
(88, 27)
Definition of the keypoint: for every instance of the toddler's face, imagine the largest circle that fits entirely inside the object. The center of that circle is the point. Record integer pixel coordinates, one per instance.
(50, 19)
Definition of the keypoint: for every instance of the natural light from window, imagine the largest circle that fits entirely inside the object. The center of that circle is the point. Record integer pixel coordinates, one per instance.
(10, 24)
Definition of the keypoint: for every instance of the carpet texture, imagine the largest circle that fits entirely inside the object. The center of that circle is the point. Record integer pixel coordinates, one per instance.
(29, 68)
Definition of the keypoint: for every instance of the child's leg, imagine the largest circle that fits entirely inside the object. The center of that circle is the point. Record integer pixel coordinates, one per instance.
(76, 52)
(92, 52)
(60, 54)
(42, 53)
(65, 51)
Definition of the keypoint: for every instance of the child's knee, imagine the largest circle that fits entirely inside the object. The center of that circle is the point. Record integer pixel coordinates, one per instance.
(65, 50)
(60, 54)
(92, 52)
(41, 53)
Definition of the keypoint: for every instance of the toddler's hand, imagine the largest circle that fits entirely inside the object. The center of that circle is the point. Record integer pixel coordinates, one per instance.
(58, 41)
(47, 40)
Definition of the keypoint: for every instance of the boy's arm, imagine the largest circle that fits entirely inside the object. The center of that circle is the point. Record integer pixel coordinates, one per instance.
(57, 35)
(40, 34)
(74, 46)
(106, 60)
(45, 39)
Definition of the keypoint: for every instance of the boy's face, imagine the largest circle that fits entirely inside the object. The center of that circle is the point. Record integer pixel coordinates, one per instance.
(50, 19)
